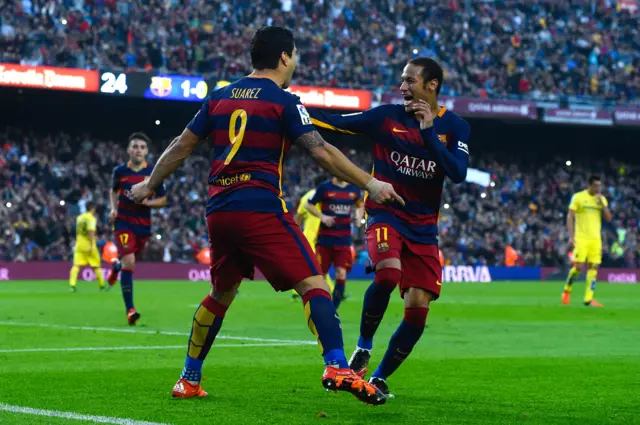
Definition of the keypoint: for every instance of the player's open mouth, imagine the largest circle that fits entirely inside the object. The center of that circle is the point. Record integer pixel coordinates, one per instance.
(407, 100)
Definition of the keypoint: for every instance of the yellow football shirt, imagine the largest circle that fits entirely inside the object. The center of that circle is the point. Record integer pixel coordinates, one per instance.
(588, 215)
(84, 224)
(311, 224)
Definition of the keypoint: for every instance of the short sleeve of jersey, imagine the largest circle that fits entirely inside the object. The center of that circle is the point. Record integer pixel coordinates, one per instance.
(91, 224)
(317, 196)
(115, 181)
(297, 120)
(200, 124)
(605, 202)
(575, 203)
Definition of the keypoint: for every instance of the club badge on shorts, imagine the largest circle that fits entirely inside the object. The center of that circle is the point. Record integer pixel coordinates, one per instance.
(383, 247)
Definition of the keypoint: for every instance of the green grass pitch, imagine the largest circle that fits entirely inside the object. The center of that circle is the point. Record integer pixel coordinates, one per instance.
(498, 353)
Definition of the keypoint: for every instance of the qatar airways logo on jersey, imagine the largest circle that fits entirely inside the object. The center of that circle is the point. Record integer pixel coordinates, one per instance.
(413, 166)
(340, 209)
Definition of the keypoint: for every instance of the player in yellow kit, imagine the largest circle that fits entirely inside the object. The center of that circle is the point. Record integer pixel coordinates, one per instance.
(86, 251)
(310, 225)
(585, 223)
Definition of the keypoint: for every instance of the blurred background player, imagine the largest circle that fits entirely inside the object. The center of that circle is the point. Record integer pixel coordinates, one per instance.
(415, 146)
(584, 223)
(252, 123)
(86, 250)
(333, 247)
(132, 221)
(310, 225)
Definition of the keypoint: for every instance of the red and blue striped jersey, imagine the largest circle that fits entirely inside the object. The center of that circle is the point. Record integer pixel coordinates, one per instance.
(132, 216)
(336, 202)
(251, 124)
(415, 161)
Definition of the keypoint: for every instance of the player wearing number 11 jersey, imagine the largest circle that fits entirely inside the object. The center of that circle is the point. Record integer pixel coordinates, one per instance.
(251, 125)
(415, 146)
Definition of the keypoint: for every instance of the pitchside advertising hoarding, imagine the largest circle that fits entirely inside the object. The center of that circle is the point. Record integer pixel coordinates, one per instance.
(468, 107)
(627, 116)
(578, 116)
(200, 273)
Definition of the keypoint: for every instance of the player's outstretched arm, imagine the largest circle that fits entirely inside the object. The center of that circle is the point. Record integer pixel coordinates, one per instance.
(160, 202)
(355, 123)
(332, 160)
(172, 157)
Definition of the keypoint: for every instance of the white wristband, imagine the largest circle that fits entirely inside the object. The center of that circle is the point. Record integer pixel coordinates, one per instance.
(374, 187)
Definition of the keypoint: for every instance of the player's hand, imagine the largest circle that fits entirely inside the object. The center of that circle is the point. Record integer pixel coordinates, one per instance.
(112, 216)
(381, 192)
(141, 191)
(423, 113)
(600, 199)
(328, 220)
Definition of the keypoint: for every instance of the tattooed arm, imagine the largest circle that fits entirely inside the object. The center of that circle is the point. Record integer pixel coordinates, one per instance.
(334, 161)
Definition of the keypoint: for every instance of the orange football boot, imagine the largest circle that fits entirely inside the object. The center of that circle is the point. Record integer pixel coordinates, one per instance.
(185, 389)
(132, 316)
(335, 379)
(593, 303)
(566, 296)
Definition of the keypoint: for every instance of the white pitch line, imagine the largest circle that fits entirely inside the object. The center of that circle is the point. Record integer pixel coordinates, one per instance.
(76, 416)
(142, 347)
(152, 332)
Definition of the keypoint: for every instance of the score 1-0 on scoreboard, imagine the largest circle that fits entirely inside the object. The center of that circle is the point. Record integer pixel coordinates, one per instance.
(167, 87)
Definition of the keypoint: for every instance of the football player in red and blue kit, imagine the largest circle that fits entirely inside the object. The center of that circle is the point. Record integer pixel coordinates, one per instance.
(251, 125)
(337, 199)
(131, 221)
(415, 146)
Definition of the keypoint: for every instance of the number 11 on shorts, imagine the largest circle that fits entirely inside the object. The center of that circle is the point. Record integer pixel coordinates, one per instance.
(384, 234)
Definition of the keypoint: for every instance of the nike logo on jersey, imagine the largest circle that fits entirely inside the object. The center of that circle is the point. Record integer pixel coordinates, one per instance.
(397, 130)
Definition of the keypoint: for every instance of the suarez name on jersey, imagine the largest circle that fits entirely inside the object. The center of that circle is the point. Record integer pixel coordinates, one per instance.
(401, 157)
(251, 125)
(336, 202)
(132, 216)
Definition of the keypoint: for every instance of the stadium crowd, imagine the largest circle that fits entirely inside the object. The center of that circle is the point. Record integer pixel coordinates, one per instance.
(45, 181)
(554, 49)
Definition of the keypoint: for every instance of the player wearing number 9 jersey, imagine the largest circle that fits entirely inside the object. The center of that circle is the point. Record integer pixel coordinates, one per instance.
(251, 125)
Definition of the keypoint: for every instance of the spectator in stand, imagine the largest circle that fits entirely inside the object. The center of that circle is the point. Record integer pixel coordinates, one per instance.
(553, 49)
(525, 210)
